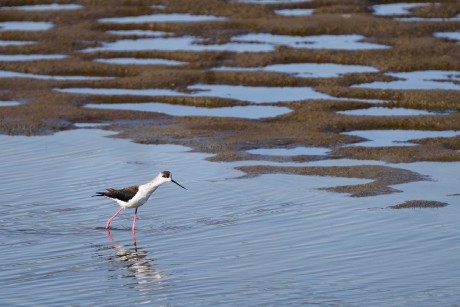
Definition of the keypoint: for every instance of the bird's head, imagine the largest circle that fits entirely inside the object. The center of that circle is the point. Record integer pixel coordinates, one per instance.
(167, 176)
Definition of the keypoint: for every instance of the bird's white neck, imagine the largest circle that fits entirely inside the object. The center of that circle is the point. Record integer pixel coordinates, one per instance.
(154, 184)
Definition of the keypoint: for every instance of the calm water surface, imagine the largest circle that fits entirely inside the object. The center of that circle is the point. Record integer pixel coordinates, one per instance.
(225, 241)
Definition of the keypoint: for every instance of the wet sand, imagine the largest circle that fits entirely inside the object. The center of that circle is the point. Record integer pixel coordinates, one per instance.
(411, 47)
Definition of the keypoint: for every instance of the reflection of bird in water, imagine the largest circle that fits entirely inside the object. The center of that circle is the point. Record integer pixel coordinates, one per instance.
(136, 262)
(136, 195)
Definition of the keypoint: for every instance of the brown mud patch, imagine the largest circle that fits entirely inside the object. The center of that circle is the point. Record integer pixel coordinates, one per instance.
(419, 204)
(311, 122)
(382, 177)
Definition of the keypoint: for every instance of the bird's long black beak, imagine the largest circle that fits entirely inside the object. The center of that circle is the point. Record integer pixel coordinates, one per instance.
(172, 180)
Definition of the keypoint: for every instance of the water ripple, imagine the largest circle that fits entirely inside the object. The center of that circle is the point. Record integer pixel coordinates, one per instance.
(226, 241)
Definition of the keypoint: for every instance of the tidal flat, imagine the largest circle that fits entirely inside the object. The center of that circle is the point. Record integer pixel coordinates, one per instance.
(52, 99)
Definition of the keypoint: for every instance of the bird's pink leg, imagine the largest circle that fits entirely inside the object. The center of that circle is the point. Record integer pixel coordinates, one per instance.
(134, 221)
(110, 219)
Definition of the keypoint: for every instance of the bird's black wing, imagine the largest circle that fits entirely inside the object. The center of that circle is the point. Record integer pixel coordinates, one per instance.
(123, 194)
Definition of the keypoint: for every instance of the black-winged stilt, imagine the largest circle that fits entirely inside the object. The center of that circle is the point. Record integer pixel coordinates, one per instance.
(136, 195)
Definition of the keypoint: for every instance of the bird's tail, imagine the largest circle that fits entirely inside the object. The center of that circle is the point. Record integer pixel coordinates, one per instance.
(98, 194)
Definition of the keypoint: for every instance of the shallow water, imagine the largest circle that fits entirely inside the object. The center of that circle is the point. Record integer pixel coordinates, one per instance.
(139, 61)
(381, 111)
(44, 7)
(226, 241)
(257, 94)
(307, 70)
(30, 57)
(174, 17)
(189, 43)
(25, 25)
(9, 103)
(394, 9)
(147, 33)
(256, 42)
(249, 112)
(294, 12)
(14, 74)
(296, 151)
(441, 184)
(450, 35)
(380, 138)
(419, 80)
(332, 42)
(4, 43)
(416, 19)
(254, 94)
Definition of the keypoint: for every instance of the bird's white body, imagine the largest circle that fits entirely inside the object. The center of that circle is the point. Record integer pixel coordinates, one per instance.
(142, 195)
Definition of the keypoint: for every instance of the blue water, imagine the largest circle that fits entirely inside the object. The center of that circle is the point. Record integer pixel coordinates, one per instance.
(269, 240)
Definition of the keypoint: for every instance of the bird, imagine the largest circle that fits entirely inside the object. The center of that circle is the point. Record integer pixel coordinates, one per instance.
(136, 195)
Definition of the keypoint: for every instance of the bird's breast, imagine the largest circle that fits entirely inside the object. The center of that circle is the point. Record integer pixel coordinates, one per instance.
(139, 199)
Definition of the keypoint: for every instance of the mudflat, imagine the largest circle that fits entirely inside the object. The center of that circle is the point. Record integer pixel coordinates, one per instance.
(80, 38)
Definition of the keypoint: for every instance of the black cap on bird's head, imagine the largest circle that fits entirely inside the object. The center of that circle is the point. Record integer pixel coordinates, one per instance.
(166, 174)
(168, 177)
